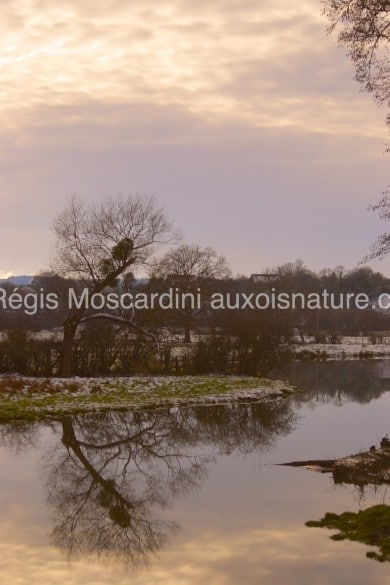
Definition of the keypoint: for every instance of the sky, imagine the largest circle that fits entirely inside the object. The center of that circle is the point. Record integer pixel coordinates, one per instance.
(242, 118)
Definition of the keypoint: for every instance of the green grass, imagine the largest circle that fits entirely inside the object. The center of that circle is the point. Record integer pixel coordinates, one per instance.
(370, 526)
(34, 399)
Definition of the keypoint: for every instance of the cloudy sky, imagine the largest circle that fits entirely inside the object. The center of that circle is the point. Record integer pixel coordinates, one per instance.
(241, 117)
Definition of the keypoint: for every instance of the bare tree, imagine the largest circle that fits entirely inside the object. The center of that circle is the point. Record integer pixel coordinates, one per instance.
(190, 266)
(190, 261)
(364, 29)
(381, 247)
(98, 243)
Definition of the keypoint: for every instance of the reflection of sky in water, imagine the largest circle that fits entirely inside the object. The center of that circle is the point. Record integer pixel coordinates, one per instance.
(330, 431)
(244, 524)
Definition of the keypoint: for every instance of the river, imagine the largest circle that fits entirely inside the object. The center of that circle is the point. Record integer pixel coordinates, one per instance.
(193, 495)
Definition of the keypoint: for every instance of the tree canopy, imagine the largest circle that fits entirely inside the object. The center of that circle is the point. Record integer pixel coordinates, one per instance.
(191, 262)
(363, 27)
(99, 242)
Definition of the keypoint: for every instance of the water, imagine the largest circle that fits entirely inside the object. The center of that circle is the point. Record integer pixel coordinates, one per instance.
(192, 495)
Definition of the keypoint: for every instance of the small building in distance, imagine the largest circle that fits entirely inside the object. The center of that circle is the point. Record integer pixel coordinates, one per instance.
(264, 277)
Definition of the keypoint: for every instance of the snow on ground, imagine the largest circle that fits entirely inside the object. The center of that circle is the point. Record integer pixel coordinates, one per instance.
(347, 348)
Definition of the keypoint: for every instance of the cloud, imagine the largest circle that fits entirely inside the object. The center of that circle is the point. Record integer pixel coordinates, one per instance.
(220, 558)
(227, 101)
(287, 186)
(267, 64)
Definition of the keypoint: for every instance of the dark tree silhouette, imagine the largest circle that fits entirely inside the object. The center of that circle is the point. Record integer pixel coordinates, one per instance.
(108, 477)
(364, 29)
(99, 243)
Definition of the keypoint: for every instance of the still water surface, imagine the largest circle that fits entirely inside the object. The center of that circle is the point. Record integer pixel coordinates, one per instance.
(193, 495)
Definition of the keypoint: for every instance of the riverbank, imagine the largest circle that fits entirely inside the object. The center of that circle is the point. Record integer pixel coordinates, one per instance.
(347, 348)
(369, 467)
(32, 399)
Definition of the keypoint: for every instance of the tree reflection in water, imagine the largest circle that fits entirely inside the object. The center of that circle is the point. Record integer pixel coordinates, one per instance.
(108, 476)
(336, 382)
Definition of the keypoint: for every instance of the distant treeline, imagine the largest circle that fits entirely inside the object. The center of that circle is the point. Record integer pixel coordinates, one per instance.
(191, 339)
(288, 278)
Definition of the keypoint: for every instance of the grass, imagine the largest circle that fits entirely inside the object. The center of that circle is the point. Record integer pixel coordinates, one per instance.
(370, 526)
(34, 399)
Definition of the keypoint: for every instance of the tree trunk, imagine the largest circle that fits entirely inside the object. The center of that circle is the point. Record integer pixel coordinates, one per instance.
(67, 349)
(187, 332)
(69, 440)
